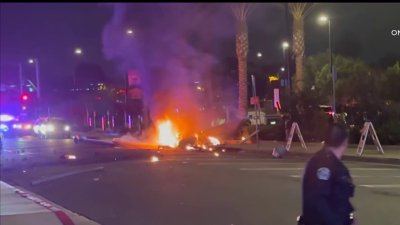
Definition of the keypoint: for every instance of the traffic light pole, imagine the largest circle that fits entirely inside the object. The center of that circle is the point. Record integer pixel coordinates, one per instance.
(37, 78)
(21, 85)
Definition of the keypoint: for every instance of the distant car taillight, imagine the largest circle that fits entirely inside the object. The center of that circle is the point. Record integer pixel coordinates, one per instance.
(27, 126)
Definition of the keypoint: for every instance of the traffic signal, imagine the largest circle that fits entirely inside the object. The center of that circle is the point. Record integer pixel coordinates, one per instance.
(24, 97)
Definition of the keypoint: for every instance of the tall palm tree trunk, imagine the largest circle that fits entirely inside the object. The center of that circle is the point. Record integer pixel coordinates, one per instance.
(242, 47)
(241, 11)
(299, 12)
(298, 48)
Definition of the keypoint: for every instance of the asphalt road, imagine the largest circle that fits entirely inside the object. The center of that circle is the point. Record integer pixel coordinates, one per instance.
(196, 188)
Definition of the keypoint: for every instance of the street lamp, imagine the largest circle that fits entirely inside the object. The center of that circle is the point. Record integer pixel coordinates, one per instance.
(259, 54)
(285, 46)
(36, 62)
(325, 19)
(282, 69)
(78, 51)
(129, 32)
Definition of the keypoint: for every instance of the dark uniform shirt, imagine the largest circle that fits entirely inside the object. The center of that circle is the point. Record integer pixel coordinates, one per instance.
(327, 189)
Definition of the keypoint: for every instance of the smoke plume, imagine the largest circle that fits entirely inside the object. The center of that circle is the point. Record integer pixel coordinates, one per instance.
(172, 46)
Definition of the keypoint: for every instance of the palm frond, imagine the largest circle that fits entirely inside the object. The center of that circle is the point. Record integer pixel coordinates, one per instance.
(241, 10)
(300, 10)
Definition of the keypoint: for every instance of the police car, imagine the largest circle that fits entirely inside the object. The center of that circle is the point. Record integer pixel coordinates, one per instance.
(49, 127)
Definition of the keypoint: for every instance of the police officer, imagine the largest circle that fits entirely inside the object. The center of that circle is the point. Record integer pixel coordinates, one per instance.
(327, 184)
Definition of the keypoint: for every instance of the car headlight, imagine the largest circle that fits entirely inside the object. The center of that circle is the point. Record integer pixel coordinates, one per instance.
(17, 126)
(50, 128)
(36, 129)
(6, 117)
(3, 127)
(67, 128)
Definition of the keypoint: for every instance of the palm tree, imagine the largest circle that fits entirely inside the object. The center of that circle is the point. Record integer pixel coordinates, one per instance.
(241, 11)
(299, 12)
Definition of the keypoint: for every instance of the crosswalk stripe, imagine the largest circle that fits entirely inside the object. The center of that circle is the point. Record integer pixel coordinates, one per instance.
(380, 185)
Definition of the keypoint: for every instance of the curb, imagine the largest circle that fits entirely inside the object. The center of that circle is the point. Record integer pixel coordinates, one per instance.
(24, 207)
(346, 157)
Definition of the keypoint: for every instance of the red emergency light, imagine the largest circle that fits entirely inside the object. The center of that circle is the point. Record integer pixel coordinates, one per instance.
(24, 97)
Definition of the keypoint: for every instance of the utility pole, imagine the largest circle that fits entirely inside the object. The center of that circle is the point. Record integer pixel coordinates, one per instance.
(256, 106)
(21, 85)
(37, 78)
(37, 72)
(331, 68)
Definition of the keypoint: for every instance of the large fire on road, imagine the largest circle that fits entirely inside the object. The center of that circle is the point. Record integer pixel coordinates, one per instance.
(167, 134)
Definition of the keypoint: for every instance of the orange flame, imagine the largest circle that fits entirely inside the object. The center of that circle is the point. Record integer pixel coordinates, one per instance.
(167, 134)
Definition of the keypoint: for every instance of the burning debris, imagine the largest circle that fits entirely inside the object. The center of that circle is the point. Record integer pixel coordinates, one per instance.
(167, 134)
(214, 141)
(154, 159)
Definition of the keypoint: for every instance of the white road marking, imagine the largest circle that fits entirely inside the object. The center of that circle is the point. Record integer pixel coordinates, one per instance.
(354, 176)
(236, 163)
(66, 174)
(380, 185)
(269, 168)
(373, 164)
(301, 168)
(374, 169)
(380, 176)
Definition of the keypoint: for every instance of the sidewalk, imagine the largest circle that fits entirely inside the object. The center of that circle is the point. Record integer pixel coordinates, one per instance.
(19, 207)
(392, 152)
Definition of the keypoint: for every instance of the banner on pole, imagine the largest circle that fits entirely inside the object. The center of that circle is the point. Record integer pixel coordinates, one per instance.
(255, 100)
(277, 103)
(133, 78)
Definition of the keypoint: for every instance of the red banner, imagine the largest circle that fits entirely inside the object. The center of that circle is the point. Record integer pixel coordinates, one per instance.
(133, 78)
(255, 100)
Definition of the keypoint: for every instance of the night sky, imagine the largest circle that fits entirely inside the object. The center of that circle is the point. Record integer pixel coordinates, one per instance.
(50, 32)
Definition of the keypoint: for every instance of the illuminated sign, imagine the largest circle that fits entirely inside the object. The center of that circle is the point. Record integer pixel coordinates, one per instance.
(273, 78)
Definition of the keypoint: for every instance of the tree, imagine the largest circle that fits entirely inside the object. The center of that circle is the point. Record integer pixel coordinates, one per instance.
(392, 83)
(299, 11)
(356, 81)
(365, 92)
(241, 11)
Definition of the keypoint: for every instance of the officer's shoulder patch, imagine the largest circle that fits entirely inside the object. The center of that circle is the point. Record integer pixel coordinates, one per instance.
(323, 173)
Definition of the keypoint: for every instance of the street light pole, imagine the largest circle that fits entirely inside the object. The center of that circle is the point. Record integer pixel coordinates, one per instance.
(78, 52)
(331, 68)
(37, 78)
(285, 46)
(256, 106)
(37, 72)
(326, 19)
(21, 83)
